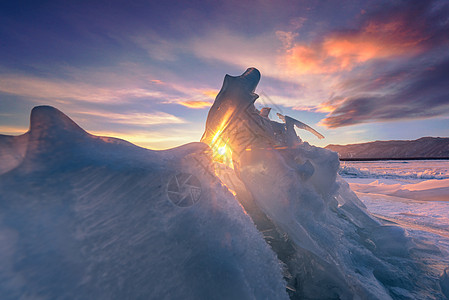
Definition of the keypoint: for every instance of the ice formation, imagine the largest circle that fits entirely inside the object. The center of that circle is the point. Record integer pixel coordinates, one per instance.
(331, 246)
(88, 217)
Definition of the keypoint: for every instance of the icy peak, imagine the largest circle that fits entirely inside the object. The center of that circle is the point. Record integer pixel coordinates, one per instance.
(53, 137)
(248, 81)
(236, 96)
(251, 77)
(46, 119)
(51, 132)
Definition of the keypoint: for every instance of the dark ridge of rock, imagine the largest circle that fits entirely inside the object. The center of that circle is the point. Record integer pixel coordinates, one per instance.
(423, 148)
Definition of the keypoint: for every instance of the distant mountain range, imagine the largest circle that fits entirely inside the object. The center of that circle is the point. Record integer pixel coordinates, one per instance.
(423, 148)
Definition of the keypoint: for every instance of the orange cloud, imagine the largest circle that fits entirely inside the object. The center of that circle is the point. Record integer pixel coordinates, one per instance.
(195, 104)
(325, 107)
(330, 106)
(157, 81)
(343, 51)
(210, 93)
(374, 41)
(305, 60)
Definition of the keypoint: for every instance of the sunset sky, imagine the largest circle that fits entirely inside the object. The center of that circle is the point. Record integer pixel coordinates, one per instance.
(148, 71)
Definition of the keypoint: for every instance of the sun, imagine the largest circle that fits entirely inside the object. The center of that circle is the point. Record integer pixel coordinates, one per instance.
(221, 150)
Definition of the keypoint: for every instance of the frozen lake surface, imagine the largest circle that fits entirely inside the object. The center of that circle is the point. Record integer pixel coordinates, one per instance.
(413, 194)
(402, 171)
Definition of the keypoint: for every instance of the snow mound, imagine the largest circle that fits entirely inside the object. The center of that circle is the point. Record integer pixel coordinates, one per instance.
(87, 217)
(430, 190)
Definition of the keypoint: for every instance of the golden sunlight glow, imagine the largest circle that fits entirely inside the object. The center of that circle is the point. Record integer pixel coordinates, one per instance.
(222, 157)
(221, 152)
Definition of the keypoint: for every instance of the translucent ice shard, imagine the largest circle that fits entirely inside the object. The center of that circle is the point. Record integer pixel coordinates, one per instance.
(290, 122)
(330, 244)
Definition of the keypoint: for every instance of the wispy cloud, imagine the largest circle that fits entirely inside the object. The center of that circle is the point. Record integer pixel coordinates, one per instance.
(195, 104)
(140, 119)
(210, 93)
(39, 88)
(392, 67)
(206, 97)
(110, 90)
(342, 51)
(138, 65)
(35, 87)
(423, 94)
(238, 50)
(390, 33)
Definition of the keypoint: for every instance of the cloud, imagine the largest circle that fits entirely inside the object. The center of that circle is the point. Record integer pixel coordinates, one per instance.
(195, 104)
(397, 31)
(210, 93)
(204, 94)
(355, 68)
(156, 47)
(238, 50)
(342, 51)
(43, 88)
(39, 88)
(421, 94)
(393, 66)
(133, 84)
(286, 37)
(139, 119)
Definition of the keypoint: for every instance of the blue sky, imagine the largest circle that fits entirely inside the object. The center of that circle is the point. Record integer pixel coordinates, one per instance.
(147, 71)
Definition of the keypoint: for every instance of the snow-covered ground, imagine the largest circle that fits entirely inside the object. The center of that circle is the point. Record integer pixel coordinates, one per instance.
(413, 194)
(411, 171)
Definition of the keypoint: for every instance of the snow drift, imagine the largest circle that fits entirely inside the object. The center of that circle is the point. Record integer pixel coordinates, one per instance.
(430, 190)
